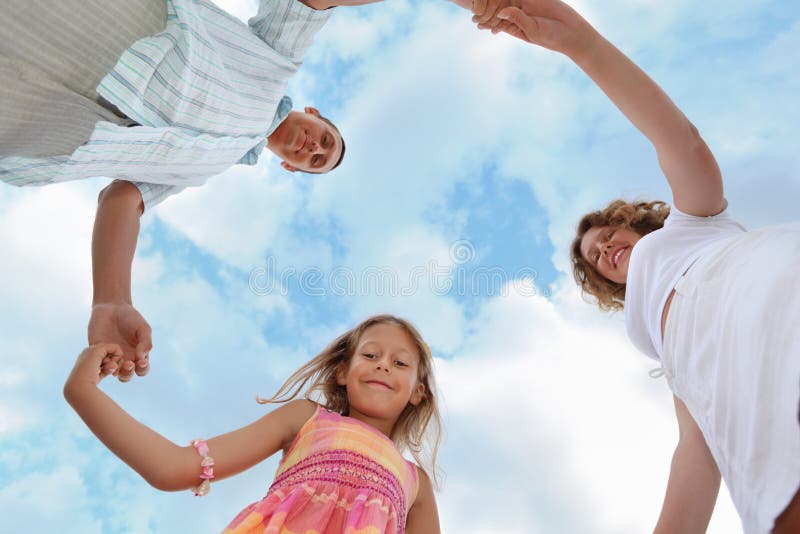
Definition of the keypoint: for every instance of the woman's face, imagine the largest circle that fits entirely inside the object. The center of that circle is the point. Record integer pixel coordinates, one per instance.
(608, 249)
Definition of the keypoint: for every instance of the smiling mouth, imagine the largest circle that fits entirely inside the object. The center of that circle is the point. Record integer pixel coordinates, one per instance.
(378, 383)
(305, 140)
(617, 255)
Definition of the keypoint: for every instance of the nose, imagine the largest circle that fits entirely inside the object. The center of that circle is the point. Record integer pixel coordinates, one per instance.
(604, 246)
(312, 145)
(380, 365)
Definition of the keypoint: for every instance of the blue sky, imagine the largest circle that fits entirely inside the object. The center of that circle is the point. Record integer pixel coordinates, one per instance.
(465, 151)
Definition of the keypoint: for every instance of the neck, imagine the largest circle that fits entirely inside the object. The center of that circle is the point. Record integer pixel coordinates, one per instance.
(385, 426)
(274, 136)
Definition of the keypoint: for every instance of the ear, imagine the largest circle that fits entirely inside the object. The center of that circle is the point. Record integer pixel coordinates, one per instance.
(287, 166)
(341, 375)
(313, 111)
(417, 395)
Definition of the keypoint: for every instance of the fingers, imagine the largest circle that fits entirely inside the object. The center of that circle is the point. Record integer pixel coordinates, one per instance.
(144, 341)
(126, 371)
(142, 365)
(101, 350)
(503, 27)
(486, 17)
(478, 8)
(514, 16)
(110, 366)
(514, 31)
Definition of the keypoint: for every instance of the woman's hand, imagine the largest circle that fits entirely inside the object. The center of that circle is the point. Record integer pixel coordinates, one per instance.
(551, 24)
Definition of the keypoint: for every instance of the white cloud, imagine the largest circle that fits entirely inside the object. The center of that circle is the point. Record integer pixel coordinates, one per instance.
(426, 102)
(564, 419)
(54, 501)
(236, 216)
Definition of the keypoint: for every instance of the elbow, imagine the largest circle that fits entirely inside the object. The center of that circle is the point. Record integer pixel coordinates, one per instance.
(694, 140)
(164, 481)
(121, 193)
(163, 485)
(171, 474)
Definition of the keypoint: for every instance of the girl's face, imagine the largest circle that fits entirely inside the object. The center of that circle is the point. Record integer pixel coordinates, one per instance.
(382, 376)
(608, 249)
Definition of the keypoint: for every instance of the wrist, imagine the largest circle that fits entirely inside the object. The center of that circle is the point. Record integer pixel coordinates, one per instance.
(319, 5)
(585, 45)
(109, 301)
(76, 391)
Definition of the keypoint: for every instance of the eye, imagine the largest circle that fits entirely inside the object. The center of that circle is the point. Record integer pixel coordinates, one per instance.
(400, 363)
(596, 257)
(326, 140)
(369, 356)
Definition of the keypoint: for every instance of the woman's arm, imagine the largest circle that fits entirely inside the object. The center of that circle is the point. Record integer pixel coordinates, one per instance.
(163, 464)
(687, 162)
(693, 481)
(423, 517)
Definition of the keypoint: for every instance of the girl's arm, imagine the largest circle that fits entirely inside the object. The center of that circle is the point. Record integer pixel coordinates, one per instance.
(423, 517)
(688, 164)
(693, 480)
(163, 464)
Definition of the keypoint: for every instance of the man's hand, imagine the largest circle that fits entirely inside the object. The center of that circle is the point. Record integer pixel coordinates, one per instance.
(548, 23)
(122, 325)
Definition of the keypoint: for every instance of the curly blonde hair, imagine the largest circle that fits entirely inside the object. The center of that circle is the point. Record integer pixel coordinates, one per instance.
(641, 217)
(418, 429)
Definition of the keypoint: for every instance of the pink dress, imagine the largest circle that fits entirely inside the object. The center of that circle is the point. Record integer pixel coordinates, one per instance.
(340, 476)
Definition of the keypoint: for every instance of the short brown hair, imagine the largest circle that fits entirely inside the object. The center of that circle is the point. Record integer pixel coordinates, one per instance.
(641, 217)
(341, 154)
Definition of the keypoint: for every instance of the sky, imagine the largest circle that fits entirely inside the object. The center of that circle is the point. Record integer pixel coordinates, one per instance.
(470, 158)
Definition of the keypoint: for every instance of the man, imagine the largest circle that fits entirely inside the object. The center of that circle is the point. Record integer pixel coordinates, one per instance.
(95, 88)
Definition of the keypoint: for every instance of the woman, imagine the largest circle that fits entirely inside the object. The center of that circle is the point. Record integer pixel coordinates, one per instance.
(718, 306)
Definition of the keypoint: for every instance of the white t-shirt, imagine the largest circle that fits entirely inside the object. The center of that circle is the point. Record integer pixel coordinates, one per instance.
(658, 261)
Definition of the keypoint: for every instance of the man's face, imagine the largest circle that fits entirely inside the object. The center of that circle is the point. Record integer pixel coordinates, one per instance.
(305, 142)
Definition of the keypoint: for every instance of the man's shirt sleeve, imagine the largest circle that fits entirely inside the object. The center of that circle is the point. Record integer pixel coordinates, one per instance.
(288, 26)
(153, 194)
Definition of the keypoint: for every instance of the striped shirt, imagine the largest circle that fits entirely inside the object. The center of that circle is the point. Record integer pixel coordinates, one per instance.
(207, 91)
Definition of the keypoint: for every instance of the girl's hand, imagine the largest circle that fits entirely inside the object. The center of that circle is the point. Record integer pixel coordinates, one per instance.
(95, 363)
(548, 23)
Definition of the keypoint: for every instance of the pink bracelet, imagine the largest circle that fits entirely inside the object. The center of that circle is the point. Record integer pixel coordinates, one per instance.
(207, 464)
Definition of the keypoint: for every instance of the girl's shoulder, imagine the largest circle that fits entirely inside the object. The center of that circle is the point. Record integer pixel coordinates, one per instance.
(298, 413)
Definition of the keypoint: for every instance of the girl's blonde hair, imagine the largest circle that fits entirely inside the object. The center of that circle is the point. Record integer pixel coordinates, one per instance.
(641, 217)
(418, 429)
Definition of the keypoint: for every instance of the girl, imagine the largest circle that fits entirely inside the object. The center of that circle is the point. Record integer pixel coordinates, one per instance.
(716, 305)
(342, 469)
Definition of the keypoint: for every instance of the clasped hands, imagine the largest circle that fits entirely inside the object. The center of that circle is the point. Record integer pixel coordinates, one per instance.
(120, 324)
(548, 23)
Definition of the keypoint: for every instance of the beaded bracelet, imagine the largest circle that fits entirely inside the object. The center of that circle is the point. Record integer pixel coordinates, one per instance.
(207, 464)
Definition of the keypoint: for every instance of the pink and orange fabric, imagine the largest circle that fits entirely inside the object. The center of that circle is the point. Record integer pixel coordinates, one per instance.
(340, 476)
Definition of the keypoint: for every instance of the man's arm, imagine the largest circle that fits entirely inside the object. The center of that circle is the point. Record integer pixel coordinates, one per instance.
(326, 4)
(693, 480)
(114, 319)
